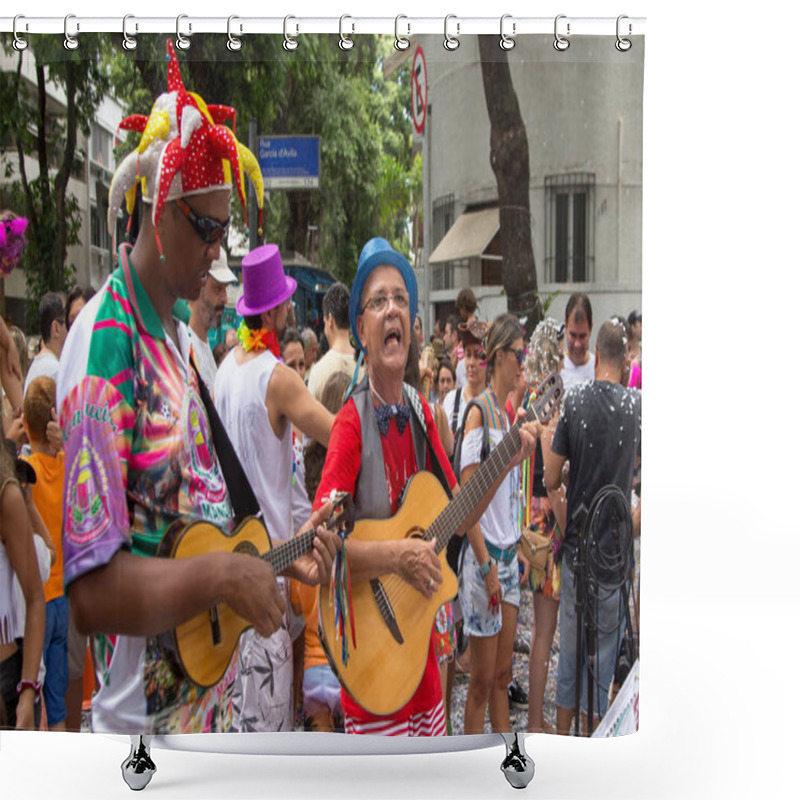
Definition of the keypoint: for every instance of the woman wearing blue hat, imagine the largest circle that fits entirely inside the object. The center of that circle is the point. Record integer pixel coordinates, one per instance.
(383, 435)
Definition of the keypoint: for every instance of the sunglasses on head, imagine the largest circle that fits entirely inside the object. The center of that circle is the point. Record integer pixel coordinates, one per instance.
(210, 230)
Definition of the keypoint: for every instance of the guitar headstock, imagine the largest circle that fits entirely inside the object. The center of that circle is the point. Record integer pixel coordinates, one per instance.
(342, 516)
(546, 397)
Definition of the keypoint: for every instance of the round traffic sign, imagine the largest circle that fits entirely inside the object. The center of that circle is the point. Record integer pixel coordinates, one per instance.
(419, 90)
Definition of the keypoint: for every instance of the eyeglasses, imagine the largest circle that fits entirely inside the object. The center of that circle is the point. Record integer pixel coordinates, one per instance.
(520, 354)
(210, 230)
(378, 302)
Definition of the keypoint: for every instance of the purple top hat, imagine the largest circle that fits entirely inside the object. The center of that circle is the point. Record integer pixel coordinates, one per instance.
(264, 282)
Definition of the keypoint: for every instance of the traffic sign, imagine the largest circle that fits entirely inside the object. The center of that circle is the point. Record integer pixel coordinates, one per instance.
(289, 162)
(419, 90)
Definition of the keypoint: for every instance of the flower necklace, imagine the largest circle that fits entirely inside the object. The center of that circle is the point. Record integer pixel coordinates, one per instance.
(12, 242)
(257, 340)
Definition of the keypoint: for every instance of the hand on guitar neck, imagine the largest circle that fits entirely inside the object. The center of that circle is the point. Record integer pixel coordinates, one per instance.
(315, 566)
(529, 432)
(260, 601)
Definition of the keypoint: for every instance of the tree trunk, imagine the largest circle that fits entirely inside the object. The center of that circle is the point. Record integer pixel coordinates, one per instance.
(511, 166)
(299, 209)
(62, 180)
(30, 206)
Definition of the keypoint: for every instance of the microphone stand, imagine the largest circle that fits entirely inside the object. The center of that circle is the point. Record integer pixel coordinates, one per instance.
(588, 589)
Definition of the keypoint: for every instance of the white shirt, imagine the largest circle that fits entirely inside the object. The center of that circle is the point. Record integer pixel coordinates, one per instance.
(45, 364)
(500, 521)
(461, 373)
(330, 363)
(204, 358)
(572, 374)
(240, 392)
(448, 405)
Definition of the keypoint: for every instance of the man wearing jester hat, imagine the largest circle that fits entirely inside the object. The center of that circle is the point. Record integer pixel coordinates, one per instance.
(136, 432)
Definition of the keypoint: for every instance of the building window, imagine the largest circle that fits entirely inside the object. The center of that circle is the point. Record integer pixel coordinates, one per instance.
(102, 147)
(491, 271)
(569, 230)
(100, 236)
(443, 218)
(442, 276)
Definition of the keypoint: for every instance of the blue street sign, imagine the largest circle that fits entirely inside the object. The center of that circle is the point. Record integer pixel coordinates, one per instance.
(289, 162)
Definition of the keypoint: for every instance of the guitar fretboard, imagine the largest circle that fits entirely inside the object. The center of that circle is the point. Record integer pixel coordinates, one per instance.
(452, 519)
(282, 556)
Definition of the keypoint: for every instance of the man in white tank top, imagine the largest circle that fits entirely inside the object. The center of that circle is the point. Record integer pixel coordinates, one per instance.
(259, 399)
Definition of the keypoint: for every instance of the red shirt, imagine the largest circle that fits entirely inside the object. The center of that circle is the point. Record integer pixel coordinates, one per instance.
(341, 473)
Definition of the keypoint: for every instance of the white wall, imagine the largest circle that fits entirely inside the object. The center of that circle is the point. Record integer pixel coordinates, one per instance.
(583, 113)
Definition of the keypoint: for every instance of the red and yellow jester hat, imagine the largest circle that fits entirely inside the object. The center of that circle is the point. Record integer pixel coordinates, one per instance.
(184, 150)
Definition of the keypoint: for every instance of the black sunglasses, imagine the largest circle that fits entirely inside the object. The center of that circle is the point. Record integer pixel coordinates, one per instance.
(520, 354)
(210, 230)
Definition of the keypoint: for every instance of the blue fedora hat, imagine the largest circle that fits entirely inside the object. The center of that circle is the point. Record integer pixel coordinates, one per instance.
(378, 252)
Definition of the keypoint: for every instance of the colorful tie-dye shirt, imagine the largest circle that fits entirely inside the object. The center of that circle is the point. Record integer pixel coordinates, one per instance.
(139, 455)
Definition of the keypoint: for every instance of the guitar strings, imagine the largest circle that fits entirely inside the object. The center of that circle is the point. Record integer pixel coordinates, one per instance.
(475, 488)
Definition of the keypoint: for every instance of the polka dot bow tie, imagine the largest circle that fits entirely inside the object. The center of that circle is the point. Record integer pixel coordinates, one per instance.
(385, 413)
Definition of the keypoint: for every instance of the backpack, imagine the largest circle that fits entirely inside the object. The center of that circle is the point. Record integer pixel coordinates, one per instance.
(456, 404)
(459, 437)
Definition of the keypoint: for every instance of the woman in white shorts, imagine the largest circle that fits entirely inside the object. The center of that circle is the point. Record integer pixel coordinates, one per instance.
(489, 583)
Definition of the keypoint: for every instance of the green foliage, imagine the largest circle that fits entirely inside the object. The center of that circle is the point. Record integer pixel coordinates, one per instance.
(362, 120)
(546, 299)
(369, 183)
(39, 257)
(48, 136)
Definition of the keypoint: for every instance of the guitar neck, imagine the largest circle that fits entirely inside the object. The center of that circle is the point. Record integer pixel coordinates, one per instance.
(452, 519)
(287, 553)
(282, 556)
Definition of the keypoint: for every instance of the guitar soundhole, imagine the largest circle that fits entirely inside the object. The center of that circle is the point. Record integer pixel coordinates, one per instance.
(246, 549)
(415, 532)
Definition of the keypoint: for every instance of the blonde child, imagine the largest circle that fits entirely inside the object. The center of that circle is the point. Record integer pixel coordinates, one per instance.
(47, 492)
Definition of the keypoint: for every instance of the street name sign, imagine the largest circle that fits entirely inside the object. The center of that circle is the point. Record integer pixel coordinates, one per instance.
(289, 162)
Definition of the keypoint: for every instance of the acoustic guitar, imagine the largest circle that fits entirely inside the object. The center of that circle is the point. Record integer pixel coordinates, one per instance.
(393, 621)
(202, 647)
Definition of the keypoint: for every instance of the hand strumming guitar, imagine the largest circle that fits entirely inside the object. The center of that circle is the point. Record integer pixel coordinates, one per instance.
(418, 564)
(153, 595)
(253, 593)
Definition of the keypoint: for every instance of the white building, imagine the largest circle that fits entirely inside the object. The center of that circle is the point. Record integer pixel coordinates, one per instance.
(89, 184)
(582, 110)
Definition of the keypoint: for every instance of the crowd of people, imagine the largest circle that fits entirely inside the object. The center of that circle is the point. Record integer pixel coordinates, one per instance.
(127, 424)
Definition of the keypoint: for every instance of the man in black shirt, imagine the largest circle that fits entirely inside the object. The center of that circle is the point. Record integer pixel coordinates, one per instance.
(599, 433)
